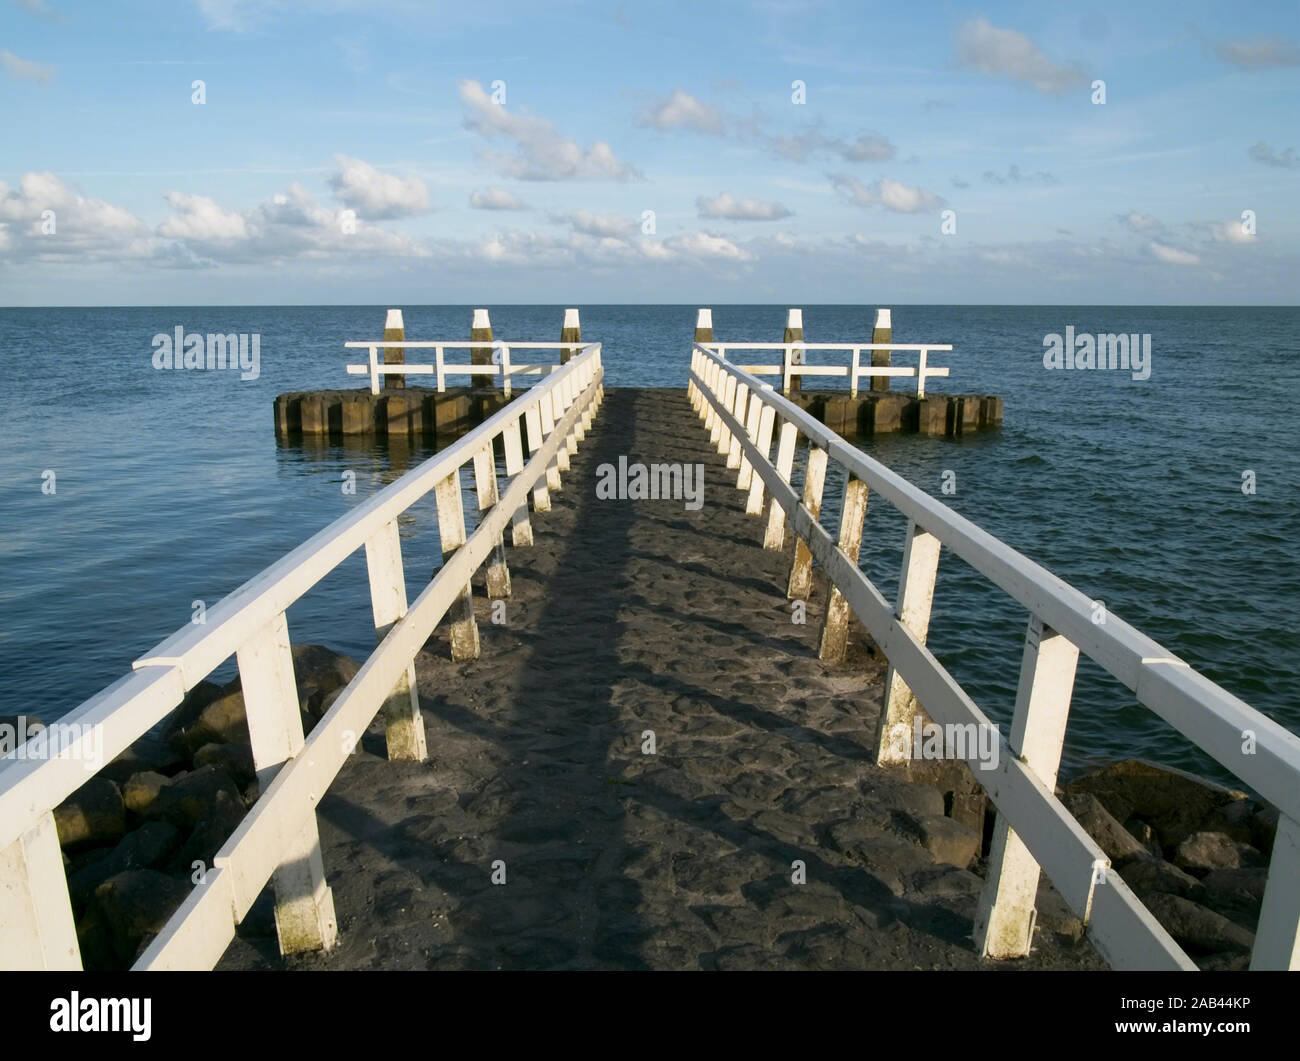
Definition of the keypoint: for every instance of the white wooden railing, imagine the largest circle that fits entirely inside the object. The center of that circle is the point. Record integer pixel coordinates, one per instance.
(501, 366)
(278, 839)
(1034, 830)
(792, 362)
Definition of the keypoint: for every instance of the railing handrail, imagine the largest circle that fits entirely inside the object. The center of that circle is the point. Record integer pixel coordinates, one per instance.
(130, 707)
(741, 411)
(457, 344)
(801, 345)
(1119, 648)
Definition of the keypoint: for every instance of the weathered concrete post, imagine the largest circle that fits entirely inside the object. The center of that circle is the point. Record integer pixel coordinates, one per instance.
(394, 332)
(793, 334)
(882, 333)
(571, 332)
(480, 329)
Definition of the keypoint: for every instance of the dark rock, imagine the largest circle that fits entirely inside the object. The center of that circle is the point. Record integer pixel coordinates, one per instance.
(1203, 852)
(141, 790)
(134, 906)
(1236, 893)
(320, 671)
(1053, 913)
(219, 820)
(223, 720)
(1173, 802)
(1144, 835)
(189, 710)
(1147, 875)
(1197, 929)
(94, 814)
(186, 801)
(1232, 819)
(144, 848)
(947, 840)
(235, 759)
(146, 755)
(1116, 841)
(1226, 962)
(1263, 829)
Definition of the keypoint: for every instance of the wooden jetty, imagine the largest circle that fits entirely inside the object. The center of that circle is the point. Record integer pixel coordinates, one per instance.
(681, 766)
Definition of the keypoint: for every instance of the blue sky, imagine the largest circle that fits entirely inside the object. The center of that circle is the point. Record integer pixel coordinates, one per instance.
(390, 151)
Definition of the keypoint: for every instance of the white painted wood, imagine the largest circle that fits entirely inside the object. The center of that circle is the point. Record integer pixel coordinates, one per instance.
(304, 904)
(752, 414)
(920, 374)
(754, 502)
(195, 935)
(814, 480)
(1277, 938)
(854, 370)
(521, 531)
(374, 370)
(835, 626)
(533, 421)
(36, 926)
(915, 597)
(403, 723)
(740, 404)
(485, 484)
(546, 409)
(505, 369)
(1004, 921)
(774, 536)
(451, 533)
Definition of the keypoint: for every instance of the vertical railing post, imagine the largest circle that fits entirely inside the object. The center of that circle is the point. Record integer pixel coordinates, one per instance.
(835, 627)
(304, 903)
(754, 502)
(533, 422)
(403, 723)
(738, 411)
(711, 375)
(37, 930)
(756, 407)
(506, 386)
(912, 609)
(813, 481)
(521, 531)
(485, 484)
(1004, 919)
(920, 373)
(451, 531)
(727, 392)
(440, 366)
(1277, 936)
(560, 461)
(853, 372)
(774, 536)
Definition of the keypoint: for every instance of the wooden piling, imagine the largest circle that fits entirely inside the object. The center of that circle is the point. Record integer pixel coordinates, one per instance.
(793, 334)
(570, 332)
(394, 332)
(882, 333)
(835, 627)
(480, 329)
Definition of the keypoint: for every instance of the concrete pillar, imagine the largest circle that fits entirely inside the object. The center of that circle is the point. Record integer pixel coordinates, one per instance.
(882, 333)
(394, 331)
(571, 332)
(794, 334)
(480, 328)
(704, 326)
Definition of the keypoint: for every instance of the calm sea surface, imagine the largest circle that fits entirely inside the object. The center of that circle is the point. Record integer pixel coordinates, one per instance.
(170, 487)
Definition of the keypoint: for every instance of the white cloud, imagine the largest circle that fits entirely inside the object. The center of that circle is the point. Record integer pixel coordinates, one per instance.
(1139, 222)
(83, 228)
(1262, 152)
(1172, 255)
(495, 199)
(1014, 176)
(728, 207)
(613, 226)
(375, 195)
(1009, 53)
(1258, 53)
(201, 219)
(891, 194)
(868, 147)
(1231, 232)
(25, 70)
(682, 110)
(707, 247)
(541, 152)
